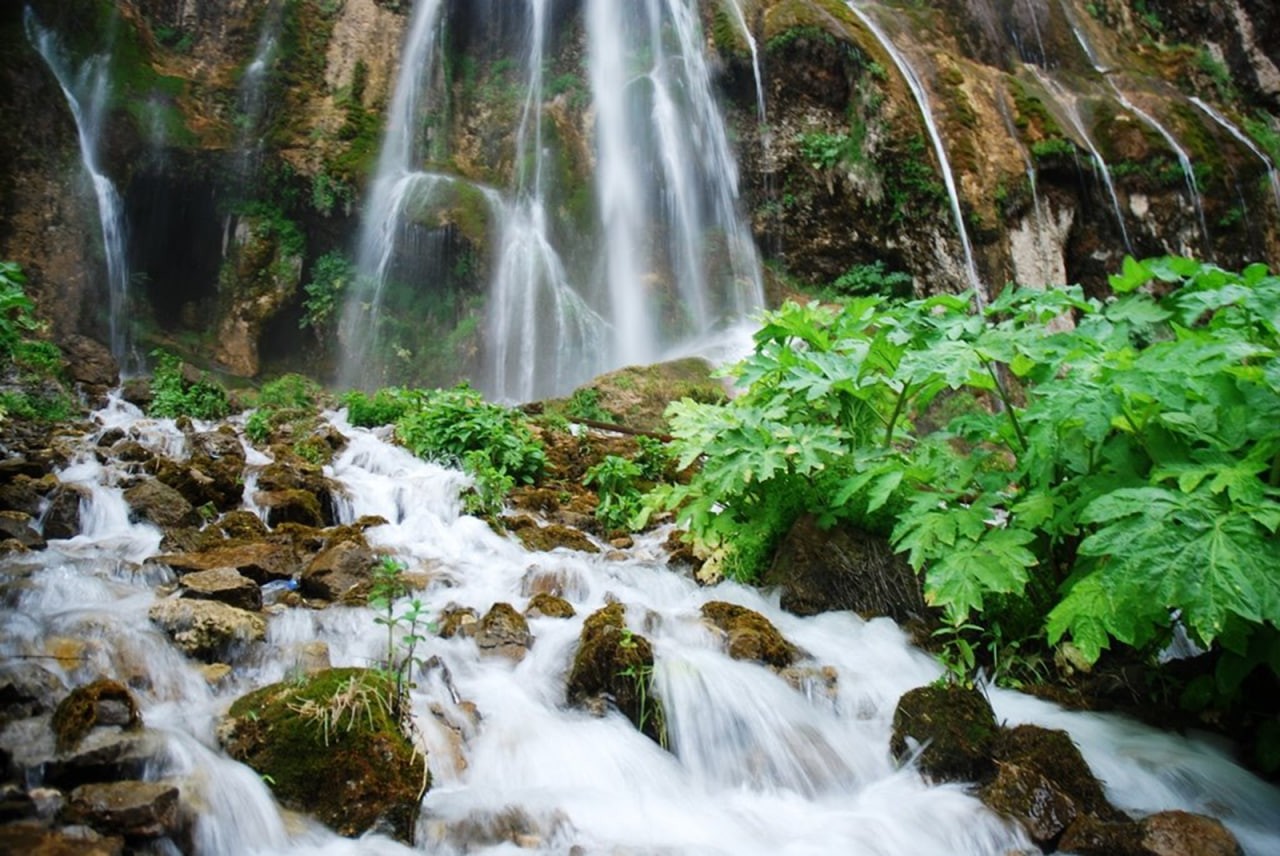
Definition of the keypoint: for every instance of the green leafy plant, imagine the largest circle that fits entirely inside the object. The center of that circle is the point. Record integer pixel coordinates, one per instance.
(872, 278)
(405, 630)
(384, 407)
(331, 276)
(615, 480)
(1119, 478)
(174, 396)
(585, 404)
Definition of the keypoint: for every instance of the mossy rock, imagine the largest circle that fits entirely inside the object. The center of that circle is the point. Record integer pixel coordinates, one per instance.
(543, 539)
(1052, 754)
(637, 396)
(956, 727)
(547, 605)
(615, 665)
(103, 702)
(332, 746)
(749, 635)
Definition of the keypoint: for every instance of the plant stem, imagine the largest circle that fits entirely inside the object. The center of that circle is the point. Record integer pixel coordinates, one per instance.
(1009, 409)
(897, 411)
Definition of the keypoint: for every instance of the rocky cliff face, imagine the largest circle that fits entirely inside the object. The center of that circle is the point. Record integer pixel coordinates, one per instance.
(242, 137)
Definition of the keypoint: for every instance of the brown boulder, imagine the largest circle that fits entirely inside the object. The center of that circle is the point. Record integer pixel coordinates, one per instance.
(35, 839)
(17, 525)
(90, 363)
(262, 562)
(1180, 833)
(615, 665)
(504, 632)
(543, 539)
(62, 520)
(205, 629)
(749, 635)
(133, 809)
(157, 503)
(337, 571)
(459, 621)
(843, 568)
(225, 585)
(290, 506)
(101, 703)
(1091, 836)
(953, 727)
(546, 605)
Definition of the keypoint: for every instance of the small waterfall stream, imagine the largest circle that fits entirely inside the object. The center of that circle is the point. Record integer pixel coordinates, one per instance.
(1231, 128)
(87, 90)
(1184, 161)
(939, 147)
(251, 101)
(757, 764)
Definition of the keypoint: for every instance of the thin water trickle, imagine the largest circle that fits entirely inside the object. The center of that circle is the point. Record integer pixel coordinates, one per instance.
(912, 79)
(88, 90)
(1231, 128)
(1071, 112)
(1184, 161)
(758, 762)
(251, 101)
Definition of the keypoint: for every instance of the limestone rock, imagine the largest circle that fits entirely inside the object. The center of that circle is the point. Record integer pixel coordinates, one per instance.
(157, 503)
(547, 538)
(1181, 833)
(504, 632)
(290, 506)
(955, 726)
(337, 571)
(36, 839)
(27, 688)
(459, 621)
(62, 520)
(843, 568)
(134, 809)
(226, 585)
(749, 635)
(261, 562)
(1091, 836)
(101, 703)
(205, 629)
(17, 525)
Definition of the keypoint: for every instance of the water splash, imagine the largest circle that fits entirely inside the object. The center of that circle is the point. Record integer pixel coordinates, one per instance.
(88, 90)
(939, 147)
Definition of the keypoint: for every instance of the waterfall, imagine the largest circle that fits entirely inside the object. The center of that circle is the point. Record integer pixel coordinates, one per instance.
(1072, 115)
(251, 95)
(1184, 160)
(395, 181)
(935, 136)
(676, 261)
(542, 333)
(666, 181)
(1232, 129)
(87, 90)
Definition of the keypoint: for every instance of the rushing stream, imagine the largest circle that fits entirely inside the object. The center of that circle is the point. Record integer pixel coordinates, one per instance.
(756, 765)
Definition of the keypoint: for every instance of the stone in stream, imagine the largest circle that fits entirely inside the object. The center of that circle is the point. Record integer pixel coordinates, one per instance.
(101, 703)
(130, 808)
(205, 629)
(155, 502)
(748, 635)
(613, 664)
(954, 728)
(504, 632)
(225, 585)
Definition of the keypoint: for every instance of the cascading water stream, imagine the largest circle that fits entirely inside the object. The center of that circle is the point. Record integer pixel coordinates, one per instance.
(939, 147)
(1184, 160)
(758, 763)
(1071, 112)
(1232, 129)
(87, 90)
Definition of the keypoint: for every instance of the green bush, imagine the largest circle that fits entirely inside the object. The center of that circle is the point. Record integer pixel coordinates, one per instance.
(616, 482)
(290, 391)
(331, 276)
(384, 407)
(173, 396)
(1122, 480)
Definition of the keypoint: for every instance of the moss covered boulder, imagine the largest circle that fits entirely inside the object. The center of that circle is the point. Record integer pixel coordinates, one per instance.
(637, 396)
(615, 666)
(101, 703)
(749, 635)
(953, 727)
(332, 746)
